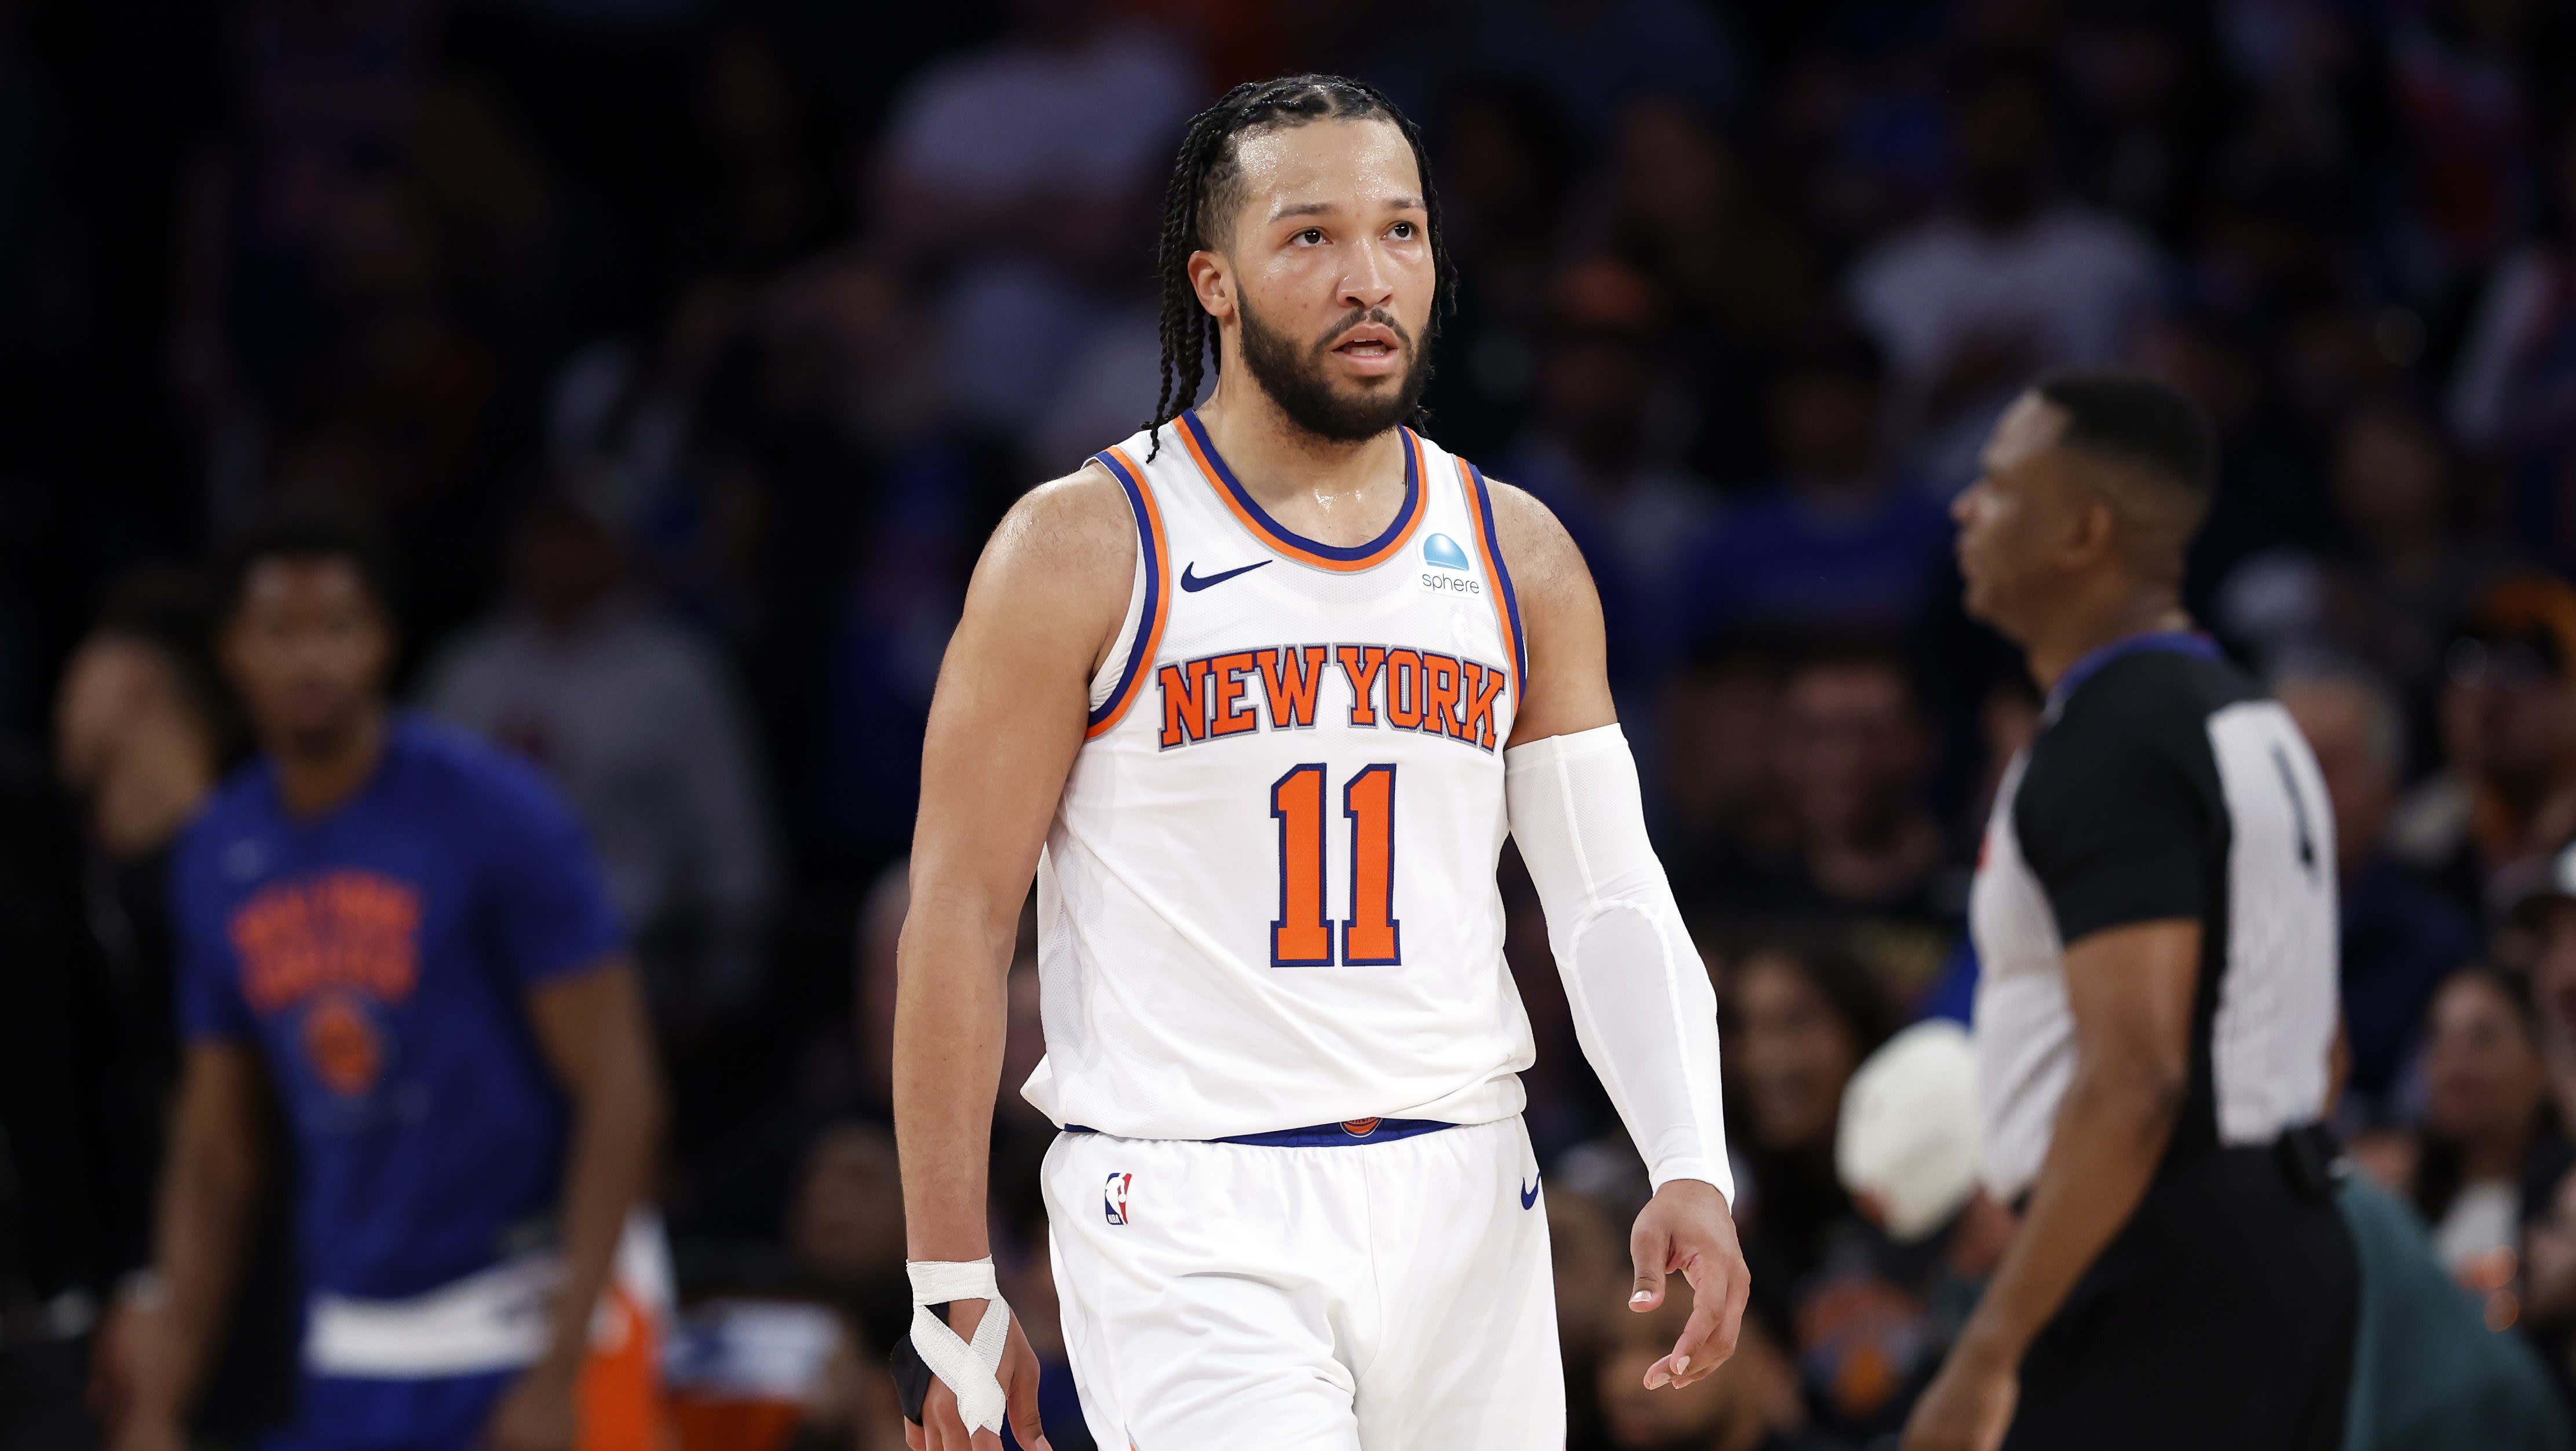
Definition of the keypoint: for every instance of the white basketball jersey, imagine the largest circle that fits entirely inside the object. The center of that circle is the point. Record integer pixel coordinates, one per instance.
(1267, 900)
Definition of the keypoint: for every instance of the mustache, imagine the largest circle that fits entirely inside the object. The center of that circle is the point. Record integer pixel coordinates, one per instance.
(1360, 316)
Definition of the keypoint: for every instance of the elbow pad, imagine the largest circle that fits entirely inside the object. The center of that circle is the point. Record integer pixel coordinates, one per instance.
(1643, 1007)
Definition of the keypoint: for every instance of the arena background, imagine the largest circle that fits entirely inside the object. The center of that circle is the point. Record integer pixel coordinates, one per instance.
(688, 349)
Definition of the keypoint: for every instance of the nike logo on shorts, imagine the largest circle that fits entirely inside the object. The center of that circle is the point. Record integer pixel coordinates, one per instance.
(1529, 1196)
(1193, 581)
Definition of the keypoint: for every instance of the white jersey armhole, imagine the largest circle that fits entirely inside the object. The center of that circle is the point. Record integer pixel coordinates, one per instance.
(1113, 666)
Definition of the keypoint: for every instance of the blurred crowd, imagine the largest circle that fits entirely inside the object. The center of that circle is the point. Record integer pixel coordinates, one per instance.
(687, 350)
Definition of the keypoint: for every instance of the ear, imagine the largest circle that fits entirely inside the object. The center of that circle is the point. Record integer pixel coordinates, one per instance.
(1213, 280)
(2092, 533)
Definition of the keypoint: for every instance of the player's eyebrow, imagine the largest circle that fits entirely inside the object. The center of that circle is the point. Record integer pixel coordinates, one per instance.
(1405, 203)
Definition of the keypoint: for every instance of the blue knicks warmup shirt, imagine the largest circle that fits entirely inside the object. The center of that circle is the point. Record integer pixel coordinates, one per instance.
(380, 955)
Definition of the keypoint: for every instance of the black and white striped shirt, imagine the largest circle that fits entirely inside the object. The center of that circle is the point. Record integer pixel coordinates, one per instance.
(2163, 784)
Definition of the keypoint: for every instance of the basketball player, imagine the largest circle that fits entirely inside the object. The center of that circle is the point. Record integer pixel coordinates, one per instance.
(1256, 695)
(2155, 911)
(401, 935)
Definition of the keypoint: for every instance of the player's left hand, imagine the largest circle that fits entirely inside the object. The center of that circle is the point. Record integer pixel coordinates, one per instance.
(1687, 1228)
(1969, 1405)
(538, 1413)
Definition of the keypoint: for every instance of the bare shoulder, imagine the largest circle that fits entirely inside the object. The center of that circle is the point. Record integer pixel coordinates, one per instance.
(1060, 565)
(1079, 524)
(1544, 562)
(1568, 688)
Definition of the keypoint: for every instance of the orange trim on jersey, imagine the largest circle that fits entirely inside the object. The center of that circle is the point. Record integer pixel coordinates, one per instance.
(1158, 593)
(1338, 558)
(1507, 609)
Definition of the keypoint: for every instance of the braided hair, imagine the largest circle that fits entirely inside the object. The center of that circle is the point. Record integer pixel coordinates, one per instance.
(1201, 194)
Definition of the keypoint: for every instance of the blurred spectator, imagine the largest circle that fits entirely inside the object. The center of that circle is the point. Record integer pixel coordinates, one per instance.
(1592, 1284)
(880, 929)
(1599, 456)
(70, 1208)
(845, 1228)
(1750, 1404)
(1725, 812)
(1683, 206)
(2493, 1151)
(1898, 1284)
(2508, 729)
(2459, 87)
(1970, 304)
(1598, 55)
(2401, 936)
(1799, 1019)
(2266, 494)
(1686, 205)
(2147, 79)
(1835, 542)
(324, 93)
(1507, 160)
(2513, 390)
(2404, 573)
(1027, 172)
(143, 729)
(639, 722)
(1851, 756)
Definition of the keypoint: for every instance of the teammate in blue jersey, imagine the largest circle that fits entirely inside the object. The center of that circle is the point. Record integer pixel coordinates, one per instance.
(401, 934)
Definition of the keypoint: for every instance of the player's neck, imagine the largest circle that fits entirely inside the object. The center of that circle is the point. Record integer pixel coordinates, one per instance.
(314, 776)
(2087, 626)
(1341, 493)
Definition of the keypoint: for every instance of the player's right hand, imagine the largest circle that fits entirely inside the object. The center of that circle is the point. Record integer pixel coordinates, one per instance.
(940, 1428)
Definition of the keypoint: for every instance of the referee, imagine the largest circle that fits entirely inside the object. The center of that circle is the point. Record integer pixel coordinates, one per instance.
(2155, 912)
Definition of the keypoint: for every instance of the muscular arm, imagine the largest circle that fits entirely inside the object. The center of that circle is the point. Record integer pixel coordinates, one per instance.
(2130, 991)
(216, 1158)
(1568, 688)
(1644, 1009)
(591, 1028)
(1005, 723)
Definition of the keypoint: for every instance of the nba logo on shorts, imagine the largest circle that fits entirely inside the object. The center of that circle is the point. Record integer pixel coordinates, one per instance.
(1113, 1200)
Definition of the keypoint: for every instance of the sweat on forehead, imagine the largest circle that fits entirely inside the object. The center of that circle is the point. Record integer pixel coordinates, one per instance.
(1232, 176)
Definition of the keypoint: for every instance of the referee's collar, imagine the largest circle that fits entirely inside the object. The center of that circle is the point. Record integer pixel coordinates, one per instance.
(2181, 642)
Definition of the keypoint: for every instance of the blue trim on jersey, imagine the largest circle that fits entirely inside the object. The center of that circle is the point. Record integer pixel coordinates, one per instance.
(2180, 642)
(1153, 588)
(1503, 577)
(1347, 554)
(1323, 1136)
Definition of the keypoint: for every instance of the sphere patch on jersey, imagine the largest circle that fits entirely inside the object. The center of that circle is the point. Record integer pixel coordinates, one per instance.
(1442, 551)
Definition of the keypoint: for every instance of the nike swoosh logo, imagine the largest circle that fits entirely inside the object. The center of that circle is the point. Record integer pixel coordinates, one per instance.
(1193, 581)
(1529, 1196)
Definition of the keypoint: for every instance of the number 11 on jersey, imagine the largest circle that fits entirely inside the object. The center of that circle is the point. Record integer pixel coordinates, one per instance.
(1302, 936)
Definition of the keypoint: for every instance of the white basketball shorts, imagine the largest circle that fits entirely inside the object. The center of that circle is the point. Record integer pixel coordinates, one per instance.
(1387, 1295)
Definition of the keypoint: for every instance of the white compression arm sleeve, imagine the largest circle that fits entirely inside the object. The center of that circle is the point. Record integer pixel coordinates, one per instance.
(1643, 1007)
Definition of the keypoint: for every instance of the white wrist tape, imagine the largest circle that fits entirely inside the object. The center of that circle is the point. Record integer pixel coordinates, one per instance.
(972, 1372)
(1643, 1007)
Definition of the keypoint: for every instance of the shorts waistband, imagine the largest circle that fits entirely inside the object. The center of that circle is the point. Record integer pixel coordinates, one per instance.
(1324, 1136)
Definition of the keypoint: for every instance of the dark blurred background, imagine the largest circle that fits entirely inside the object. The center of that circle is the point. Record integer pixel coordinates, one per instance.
(688, 349)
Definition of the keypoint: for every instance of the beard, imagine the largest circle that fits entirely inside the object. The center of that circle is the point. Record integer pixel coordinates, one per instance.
(1295, 379)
